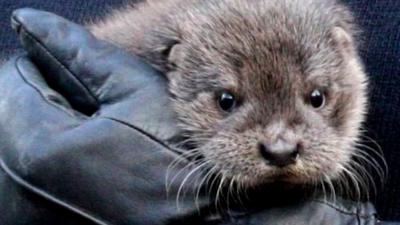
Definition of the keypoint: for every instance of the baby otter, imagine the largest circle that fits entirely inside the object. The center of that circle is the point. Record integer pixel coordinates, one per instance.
(266, 90)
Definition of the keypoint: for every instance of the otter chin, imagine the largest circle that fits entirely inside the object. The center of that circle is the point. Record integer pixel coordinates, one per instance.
(265, 90)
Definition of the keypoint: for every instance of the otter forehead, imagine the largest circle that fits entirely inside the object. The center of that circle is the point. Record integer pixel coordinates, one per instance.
(265, 42)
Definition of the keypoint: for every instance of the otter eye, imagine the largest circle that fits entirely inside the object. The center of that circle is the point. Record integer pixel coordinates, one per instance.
(226, 101)
(317, 99)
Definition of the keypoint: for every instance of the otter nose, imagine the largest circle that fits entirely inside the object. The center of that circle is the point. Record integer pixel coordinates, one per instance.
(280, 153)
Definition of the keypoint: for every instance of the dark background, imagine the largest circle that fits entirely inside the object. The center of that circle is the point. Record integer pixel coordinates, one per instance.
(380, 50)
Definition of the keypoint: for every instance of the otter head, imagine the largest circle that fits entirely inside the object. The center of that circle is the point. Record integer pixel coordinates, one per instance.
(269, 91)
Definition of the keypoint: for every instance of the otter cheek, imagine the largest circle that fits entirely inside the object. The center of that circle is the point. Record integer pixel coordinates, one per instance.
(320, 152)
(199, 114)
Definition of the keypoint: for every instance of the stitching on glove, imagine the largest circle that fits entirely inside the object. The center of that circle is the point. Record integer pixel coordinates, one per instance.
(25, 31)
(48, 196)
(70, 113)
(341, 210)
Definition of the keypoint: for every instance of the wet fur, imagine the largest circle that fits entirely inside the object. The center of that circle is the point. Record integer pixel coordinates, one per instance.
(272, 54)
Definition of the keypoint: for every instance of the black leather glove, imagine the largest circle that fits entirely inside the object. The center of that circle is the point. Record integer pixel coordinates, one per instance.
(84, 139)
(96, 148)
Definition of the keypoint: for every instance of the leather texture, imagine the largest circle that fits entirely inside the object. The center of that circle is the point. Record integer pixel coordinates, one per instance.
(86, 133)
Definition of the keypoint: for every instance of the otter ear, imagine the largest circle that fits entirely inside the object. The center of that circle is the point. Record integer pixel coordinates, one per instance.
(176, 54)
(172, 54)
(343, 40)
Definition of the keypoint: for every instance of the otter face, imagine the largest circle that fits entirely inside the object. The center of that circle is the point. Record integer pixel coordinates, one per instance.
(265, 102)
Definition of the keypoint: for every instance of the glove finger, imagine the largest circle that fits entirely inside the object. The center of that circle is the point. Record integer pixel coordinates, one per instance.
(87, 71)
(30, 111)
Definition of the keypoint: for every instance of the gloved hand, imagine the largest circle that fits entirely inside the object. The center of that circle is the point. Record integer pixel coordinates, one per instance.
(97, 146)
(85, 130)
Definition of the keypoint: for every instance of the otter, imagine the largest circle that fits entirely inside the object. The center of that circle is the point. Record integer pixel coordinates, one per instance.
(265, 90)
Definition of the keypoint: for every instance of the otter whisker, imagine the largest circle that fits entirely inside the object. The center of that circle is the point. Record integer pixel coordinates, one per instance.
(186, 179)
(230, 193)
(382, 171)
(240, 189)
(331, 187)
(219, 192)
(358, 182)
(211, 187)
(366, 176)
(321, 182)
(354, 180)
(194, 140)
(343, 184)
(371, 140)
(363, 181)
(203, 182)
(370, 163)
(171, 167)
(377, 151)
(169, 182)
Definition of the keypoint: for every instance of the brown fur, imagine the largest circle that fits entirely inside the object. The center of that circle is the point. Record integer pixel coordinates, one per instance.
(272, 54)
